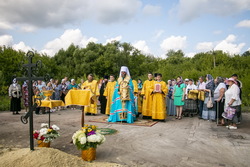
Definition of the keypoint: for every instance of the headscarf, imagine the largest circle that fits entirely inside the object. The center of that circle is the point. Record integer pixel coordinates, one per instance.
(180, 82)
(125, 69)
(209, 84)
(210, 78)
(14, 82)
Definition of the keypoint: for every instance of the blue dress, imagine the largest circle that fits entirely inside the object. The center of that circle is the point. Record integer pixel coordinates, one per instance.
(116, 106)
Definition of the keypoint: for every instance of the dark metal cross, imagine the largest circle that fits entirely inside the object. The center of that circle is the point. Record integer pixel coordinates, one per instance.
(30, 68)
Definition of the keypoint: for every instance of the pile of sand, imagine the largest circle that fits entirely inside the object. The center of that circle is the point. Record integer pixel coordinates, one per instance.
(44, 157)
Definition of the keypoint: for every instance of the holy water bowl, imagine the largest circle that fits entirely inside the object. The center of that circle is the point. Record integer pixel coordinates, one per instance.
(48, 93)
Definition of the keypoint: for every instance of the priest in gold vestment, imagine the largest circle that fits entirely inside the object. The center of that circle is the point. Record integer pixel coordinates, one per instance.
(91, 85)
(147, 97)
(136, 96)
(159, 91)
(109, 91)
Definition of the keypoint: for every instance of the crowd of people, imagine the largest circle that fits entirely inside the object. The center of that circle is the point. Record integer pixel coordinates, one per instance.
(125, 99)
(212, 99)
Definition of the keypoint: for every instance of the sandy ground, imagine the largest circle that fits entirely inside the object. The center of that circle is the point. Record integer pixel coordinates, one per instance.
(186, 142)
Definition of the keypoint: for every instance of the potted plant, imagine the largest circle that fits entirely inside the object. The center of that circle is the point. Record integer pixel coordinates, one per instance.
(87, 139)
(46, 134)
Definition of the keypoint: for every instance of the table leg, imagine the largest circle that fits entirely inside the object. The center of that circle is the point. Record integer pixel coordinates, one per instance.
(82, 116)
(49, 117)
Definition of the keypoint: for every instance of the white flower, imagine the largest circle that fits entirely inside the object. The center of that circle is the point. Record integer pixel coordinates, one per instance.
(76, 135)
(103, 139)
(94, 138)
(74, 141)
(54, 127)
(83, 140)
(43, 131)
(81, 136)
(44, 125)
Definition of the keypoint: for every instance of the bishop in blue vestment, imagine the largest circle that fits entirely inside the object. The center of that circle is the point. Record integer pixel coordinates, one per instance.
(123, 106)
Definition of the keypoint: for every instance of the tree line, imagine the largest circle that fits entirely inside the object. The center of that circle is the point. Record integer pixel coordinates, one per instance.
(76, 62)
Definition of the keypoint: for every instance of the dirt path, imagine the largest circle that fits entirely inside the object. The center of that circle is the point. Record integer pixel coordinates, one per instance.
(189, 142)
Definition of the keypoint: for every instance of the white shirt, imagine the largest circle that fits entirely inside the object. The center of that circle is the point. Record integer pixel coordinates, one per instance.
(190, 87)
(233, 92)
(217, 90)
(202, 85)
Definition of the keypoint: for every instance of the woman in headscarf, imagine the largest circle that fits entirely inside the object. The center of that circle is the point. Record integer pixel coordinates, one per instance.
(171, 109)
(179, 94)
(219, 98)
(209, 113)
(25, 93)
(15, 93)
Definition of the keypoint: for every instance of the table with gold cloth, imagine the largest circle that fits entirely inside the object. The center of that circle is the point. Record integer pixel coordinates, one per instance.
(52, 103)
(80, 98)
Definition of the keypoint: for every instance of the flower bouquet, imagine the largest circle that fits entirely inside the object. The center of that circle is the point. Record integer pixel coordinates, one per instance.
(46, 134)
(87, 140)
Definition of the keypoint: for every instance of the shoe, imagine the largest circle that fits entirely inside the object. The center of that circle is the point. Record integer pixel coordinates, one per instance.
(227, 126)
(232, 127)
(238, 123)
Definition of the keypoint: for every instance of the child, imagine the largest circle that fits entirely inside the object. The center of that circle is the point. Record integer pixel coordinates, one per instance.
(37, 96)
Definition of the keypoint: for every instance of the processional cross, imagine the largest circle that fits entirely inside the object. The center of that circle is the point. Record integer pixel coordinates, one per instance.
(30, 69)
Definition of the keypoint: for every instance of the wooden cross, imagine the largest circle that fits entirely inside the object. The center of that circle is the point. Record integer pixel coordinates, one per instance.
(30, 77)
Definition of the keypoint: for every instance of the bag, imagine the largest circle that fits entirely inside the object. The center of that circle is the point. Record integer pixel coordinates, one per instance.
(210, 102)
(201, 95)
(192, 94)
(229, 113)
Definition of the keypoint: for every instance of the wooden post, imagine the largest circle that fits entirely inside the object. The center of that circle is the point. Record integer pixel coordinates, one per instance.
(82, 116)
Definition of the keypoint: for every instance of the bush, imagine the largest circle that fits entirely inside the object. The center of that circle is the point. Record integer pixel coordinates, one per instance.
(4, 103)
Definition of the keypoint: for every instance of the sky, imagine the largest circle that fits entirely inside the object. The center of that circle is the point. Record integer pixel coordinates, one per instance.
(152, 26)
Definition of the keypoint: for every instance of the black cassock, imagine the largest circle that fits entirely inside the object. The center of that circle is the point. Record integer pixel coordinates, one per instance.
(102, 98)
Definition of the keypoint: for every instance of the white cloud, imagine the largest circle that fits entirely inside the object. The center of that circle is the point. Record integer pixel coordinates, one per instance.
(28, 28)
(6, 40)
(65, 40)
(188, 10)
(21, 46)
(191, 54)
(118, 38)
(244, 23)
(204, 46)
(113, 11)
(56, 13)
(5, 26)
(151, 10)
(227, 45)
(174, 42)
(142, 46)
